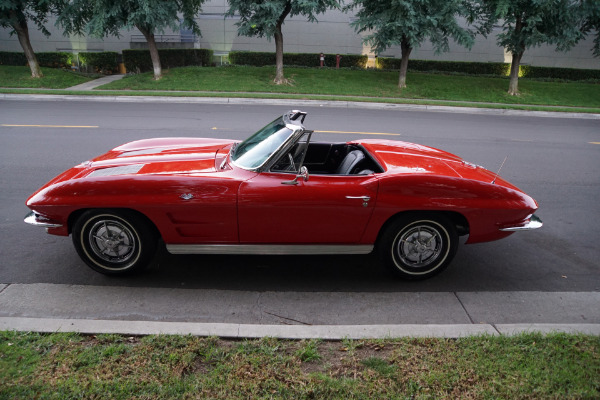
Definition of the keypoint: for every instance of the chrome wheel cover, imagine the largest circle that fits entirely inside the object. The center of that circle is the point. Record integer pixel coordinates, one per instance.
(419, 246)
(112, 241)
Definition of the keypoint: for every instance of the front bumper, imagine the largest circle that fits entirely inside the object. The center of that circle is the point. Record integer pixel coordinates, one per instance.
(533, 223)
(39, 220)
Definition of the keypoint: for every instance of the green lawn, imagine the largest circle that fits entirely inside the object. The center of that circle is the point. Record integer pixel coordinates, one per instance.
(20, 77)
(72, 366)
(372, 83)
(326, 84)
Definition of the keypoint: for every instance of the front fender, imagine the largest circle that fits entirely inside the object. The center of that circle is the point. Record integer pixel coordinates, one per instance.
(183, 208)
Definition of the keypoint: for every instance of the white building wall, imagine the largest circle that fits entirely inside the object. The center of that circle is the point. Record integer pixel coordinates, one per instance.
(332, 34)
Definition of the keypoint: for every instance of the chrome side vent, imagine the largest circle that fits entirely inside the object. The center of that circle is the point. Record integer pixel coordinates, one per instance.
(123, 170)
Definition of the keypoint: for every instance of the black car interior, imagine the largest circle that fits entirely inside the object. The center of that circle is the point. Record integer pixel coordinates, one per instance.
(329, 159)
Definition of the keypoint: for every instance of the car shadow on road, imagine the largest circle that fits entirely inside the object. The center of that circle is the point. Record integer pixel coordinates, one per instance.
(482, 267)
(507, 265)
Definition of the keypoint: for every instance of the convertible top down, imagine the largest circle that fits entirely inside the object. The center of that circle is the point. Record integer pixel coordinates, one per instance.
(278, 192)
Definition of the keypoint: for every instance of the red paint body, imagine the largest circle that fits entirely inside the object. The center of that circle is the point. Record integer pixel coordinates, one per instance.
(231, 205)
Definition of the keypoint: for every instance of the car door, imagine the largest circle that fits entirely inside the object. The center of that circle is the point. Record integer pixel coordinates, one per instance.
(326, 209)
(196, 209)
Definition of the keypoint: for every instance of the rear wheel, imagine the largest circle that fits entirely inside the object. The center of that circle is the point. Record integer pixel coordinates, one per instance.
(114, 242)
(418, 246)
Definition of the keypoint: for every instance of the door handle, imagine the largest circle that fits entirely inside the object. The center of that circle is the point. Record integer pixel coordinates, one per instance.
(365, 199)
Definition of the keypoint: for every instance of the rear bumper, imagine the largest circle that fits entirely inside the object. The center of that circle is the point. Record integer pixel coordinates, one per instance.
(532, 223)
(39, 220)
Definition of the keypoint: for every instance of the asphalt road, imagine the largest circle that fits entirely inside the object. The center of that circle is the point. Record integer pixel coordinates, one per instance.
(554, 160)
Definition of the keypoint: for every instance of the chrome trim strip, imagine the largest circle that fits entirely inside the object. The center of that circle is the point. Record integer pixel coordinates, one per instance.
(269, 249)
(533, 223)
(32, 219)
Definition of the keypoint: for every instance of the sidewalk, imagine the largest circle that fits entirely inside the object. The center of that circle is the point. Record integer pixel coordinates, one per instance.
(326, 315)
(96, 82)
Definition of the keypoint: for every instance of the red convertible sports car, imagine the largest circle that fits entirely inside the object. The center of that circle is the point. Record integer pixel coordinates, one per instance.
(278, 192)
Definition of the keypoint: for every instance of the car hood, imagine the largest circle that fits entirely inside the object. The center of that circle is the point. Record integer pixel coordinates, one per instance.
(164, 156)
(406, 158)
(159, 156)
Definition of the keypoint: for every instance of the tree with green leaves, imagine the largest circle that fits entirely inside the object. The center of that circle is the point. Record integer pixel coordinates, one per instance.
(408, 23)
(102, 18)
(14, 15)
(591, 14)
(530, 23)
(264, 18)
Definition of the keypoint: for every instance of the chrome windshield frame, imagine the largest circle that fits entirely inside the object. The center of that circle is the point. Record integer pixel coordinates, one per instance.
(297, 130)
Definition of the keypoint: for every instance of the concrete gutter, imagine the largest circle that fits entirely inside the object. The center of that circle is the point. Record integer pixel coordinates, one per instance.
(296, 103)
(327, 332)
(292, 315)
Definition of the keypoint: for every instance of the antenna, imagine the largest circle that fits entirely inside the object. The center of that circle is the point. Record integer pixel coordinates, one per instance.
(499, 169)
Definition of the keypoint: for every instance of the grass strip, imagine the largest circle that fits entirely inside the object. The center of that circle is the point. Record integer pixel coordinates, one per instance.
(69, 366)
(336, 85)
(369, 83)
(20, 77)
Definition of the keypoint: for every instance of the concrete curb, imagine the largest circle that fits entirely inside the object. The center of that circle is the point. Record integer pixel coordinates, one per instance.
(297, 103)
(327, 332)
(515, 329)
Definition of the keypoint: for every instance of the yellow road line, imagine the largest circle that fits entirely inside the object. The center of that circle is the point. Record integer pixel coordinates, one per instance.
(362, 133)
(594, 142)
(52, 126)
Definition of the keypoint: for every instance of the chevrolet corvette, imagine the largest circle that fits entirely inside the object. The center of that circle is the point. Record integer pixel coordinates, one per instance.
(279, 192)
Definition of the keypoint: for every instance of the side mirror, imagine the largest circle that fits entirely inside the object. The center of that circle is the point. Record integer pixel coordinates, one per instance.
(302, 174)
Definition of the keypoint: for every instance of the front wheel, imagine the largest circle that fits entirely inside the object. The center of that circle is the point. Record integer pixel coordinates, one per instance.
(418, 246)
(114, 242)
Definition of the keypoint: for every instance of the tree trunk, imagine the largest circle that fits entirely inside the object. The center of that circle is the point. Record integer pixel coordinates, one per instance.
(23, 34)
(406, 49)
(149, 35)
(279, 78)
(513, 86)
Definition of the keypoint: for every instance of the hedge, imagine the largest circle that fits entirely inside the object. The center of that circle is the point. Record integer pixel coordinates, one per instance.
(491, 68)
(572, 74)
(12, 58)
(99, 61)
(54, 59)
(261, 59)
(140, 61)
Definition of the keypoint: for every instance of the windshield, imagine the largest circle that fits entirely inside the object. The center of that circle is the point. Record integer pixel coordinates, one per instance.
(256, 150)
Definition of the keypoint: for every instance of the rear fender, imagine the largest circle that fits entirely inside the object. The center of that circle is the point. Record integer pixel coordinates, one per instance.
(484, 207)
